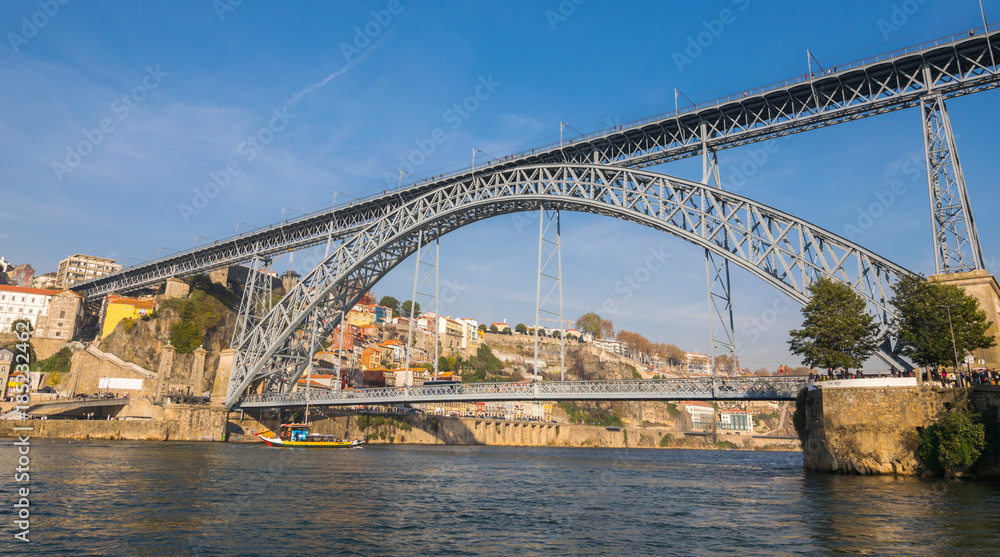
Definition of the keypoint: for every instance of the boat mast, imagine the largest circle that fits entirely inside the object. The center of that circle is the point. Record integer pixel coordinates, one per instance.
(312, 352)
(340, 348)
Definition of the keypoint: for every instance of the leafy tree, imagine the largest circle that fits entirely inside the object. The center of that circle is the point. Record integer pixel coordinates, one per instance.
(521, 329)
(556, 334)
(837, 331)
(446, 363)
(15, 329)
(952, 443)
(589, 322)
(406, 308)
(482, 327)
(607, 329)
(493, 329)
(923, 324)
(390, 302)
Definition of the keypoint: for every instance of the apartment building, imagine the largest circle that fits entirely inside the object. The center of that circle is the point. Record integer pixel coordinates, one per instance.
(80, 268)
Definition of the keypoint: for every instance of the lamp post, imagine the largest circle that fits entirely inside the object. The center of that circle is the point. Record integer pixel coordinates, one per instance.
(952, 327)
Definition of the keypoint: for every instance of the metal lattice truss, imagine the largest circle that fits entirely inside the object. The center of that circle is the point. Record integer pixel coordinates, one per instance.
(699, 388)
(956, 242)
(893, 82)
(785, 251)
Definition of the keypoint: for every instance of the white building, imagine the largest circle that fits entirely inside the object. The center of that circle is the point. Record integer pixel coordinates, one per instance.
(736, 421)
(17, 302)
(701, 415)
(698, 364)
(613, 346)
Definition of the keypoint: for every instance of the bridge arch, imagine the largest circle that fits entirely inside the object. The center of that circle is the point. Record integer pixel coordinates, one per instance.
(779, 248)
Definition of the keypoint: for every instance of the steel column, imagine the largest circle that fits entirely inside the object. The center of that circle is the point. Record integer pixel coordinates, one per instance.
(956, 242)
(548, 309)
(720, 303)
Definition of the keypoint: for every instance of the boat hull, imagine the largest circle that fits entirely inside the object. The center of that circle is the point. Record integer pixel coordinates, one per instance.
(276, 442)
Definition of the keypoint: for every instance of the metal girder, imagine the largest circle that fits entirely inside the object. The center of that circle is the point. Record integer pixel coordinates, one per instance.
(548, 296)
(893, 82)
(956, 241)
(722, 332)
(696, 388)
(783, 250)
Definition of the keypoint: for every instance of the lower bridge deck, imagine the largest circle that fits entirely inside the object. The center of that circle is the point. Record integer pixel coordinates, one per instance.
(699, 388)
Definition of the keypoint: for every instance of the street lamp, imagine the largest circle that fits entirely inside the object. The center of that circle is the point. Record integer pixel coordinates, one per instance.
(950, 326)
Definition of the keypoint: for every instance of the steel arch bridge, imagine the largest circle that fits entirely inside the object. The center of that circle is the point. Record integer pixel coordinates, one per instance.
(781, 249)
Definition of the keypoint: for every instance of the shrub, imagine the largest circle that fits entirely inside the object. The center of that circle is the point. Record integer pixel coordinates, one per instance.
(666, 440)
(953, 443)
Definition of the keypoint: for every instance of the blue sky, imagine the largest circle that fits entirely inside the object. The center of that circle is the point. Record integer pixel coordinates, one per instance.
(162, 96)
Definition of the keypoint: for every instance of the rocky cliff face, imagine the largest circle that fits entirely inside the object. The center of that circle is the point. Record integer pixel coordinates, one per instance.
(142, 342)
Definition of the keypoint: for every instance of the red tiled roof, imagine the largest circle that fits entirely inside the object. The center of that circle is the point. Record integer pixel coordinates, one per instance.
(134, 302)
(28, 290)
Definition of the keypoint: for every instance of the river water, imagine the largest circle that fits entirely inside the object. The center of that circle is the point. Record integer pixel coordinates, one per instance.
(127, 498)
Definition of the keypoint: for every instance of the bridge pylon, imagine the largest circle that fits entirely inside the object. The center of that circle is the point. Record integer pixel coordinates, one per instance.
(549, 294)
(427, 271)
(720, 301)
(956, 241)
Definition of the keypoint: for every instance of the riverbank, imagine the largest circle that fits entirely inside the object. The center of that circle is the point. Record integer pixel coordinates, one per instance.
(200, 423)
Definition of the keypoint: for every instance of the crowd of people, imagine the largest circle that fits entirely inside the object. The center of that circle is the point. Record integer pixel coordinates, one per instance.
(967, 378)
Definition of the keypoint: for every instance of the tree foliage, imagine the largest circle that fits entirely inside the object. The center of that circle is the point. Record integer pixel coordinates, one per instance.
(837, 331)
(390, 302)
(521, 329)
(14, 328)
(923, 325)
(589, 322)
(952, 443)
(406, 308)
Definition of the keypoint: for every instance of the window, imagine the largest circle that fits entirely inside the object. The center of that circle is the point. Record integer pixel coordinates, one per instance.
(58, 334)
(62, 315)
(60, 325)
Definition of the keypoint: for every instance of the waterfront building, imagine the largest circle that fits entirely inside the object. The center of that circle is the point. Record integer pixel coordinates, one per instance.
(701, 414)
(735, 421)
(80, 268)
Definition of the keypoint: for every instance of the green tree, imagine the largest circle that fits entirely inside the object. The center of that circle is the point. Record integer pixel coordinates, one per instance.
(837, 331)
(952, 443)
(446, 363)
(406, 308)
(482, 327)
(923, 324)
(589, 322)
(390, 302)
(521, 329)
(494, 329)
(14, 326)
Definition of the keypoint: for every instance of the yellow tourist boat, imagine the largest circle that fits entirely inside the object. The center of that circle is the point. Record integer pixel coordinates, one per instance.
(298, 436)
